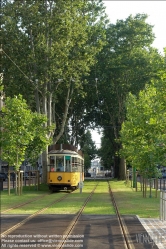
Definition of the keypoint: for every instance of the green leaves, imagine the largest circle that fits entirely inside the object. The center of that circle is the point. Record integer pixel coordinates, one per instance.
(89, 149)
(142, 134)
(21, 131)
(126, 64)
(51, 41)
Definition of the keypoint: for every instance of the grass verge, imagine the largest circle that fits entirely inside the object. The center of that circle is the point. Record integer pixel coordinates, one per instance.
(131, 202)
(128, 200)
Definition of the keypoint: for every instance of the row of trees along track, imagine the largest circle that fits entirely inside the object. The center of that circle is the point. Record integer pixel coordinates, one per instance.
(72, 66)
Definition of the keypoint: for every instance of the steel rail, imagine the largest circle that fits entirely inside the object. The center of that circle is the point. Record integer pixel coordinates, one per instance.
(31, 217)
(75, 219)
(24, 203)
(128, 243)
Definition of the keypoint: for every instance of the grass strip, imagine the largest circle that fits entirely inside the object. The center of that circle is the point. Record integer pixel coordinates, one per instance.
(100, 203)
(128, 200)
(131, 202)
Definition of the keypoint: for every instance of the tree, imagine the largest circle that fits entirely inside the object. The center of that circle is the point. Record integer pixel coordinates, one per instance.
(19, 129)
(126, 63)
(40, 138)
(58, 39)
(106, 152)
(142, 134)
(88, 148)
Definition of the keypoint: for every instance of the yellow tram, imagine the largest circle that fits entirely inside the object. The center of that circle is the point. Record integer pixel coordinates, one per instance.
(65, 170)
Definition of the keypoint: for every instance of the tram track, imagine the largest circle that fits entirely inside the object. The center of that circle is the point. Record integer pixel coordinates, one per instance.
(24, 203)
(74, 221)
(69, 228)
(124, 231)
(5, 233)
(67, 231)
(123, 227)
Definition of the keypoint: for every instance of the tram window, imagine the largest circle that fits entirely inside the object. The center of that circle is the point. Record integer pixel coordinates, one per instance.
(79, 169)
(74, 164)
(60, 163)
(52, 160)
(51, 163)
(67, 165)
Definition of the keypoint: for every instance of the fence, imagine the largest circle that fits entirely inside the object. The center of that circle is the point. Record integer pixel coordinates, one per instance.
(28, 179)
(162, 184)
(163, 205)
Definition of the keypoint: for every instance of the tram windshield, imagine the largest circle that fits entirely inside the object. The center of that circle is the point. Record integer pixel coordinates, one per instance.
(60, 163)
(65, 163)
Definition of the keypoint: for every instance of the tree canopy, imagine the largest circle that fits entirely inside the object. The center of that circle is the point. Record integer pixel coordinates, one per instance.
(51, 45)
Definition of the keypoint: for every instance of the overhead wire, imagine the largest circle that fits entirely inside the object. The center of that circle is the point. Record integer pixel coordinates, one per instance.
(35, 85)
(18, 67)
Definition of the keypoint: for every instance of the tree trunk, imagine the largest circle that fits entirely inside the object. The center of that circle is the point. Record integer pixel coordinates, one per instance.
(44, 165)
(116, 167)
(67, 104)
(122, 169)
(37, 101)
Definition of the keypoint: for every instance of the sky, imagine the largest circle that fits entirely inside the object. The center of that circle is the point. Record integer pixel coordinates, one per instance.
(156, 11)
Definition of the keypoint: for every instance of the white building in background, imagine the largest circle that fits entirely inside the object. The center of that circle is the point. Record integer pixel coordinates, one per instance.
(96, 167)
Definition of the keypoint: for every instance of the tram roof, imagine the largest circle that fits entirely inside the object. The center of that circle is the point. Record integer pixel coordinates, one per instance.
(68, 152)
